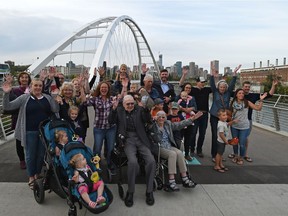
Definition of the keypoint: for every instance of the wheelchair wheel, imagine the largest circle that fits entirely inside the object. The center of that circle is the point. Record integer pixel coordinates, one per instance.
(38, 190)
(159, 183)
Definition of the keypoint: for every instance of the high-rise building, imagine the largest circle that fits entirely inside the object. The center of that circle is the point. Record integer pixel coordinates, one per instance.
(160, 62)
(192, 71)
(178, 65)
(215, 64)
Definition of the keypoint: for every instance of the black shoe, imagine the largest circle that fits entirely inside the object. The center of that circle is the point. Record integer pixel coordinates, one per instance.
(150, 199)
(200, 154)
(129, 199)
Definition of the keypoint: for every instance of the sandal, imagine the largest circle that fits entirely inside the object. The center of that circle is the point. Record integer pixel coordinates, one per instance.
(31, 184)
(240, 162)
(231, 156)
(248, 159)
(234, 160)
(224, 168)
(219, 170)
(188, 183)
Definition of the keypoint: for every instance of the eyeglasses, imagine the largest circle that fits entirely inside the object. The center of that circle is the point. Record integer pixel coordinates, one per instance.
(129, 104)
(163, 117)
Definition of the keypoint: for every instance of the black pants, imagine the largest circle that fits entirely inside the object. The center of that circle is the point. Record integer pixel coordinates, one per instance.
(20, 150)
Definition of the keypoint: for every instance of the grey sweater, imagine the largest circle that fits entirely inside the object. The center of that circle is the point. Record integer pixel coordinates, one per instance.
(21, 103)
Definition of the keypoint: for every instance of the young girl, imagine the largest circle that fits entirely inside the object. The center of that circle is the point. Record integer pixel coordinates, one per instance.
(82, 175)
(61, 139)
(76, 125)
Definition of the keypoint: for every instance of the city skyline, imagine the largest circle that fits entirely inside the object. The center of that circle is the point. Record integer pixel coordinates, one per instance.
(233, 32)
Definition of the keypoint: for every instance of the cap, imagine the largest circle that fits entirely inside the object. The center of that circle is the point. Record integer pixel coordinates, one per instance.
(175, 105)
(201, 79)
(158, 101)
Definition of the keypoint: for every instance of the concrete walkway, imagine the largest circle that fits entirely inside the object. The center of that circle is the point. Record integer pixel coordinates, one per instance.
(216, 200)
(257, 188)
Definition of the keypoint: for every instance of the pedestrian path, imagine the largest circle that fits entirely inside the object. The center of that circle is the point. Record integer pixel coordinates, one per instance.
(217, 200)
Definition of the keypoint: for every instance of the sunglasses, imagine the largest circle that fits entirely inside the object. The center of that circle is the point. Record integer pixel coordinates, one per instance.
(129, 104)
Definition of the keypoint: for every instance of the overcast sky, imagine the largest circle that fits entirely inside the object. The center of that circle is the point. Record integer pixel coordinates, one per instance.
(233, 32)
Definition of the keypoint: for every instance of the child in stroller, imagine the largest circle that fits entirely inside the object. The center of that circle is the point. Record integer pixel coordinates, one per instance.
(89, 182)
(57, 173)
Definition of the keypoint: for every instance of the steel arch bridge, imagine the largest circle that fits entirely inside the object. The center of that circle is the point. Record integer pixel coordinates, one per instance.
(113, 39)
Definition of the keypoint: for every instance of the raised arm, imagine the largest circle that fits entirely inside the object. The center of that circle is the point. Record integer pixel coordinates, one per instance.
(183, 77)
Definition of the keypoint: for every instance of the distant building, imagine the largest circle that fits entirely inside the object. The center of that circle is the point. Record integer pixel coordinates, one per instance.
(178, 66)
(192, 71)
(215, 64)
(259, 75)
(160, 62)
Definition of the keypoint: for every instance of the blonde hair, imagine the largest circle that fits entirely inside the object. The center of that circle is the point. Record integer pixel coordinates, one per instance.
(59, 134)
(75, 159)
(183, 93)
(66, 85)
(71, 108)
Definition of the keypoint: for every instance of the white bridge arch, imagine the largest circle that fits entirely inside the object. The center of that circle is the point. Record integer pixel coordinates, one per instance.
(100, 51)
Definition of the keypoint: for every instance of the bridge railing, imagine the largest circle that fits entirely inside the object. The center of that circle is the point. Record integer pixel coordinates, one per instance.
(274, 115)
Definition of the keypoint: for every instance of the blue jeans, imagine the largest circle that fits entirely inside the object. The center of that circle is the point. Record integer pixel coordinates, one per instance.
(242, 136)
(201, 125)
(109, 135)
(35, 151)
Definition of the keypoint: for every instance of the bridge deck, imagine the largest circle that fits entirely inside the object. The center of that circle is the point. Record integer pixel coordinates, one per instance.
(260, 186)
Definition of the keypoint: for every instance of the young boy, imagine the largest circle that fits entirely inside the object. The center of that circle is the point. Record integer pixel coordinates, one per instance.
(222, 140)
(158, 106)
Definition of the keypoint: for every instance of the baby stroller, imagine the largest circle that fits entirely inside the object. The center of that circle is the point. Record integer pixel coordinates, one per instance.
(56, 172)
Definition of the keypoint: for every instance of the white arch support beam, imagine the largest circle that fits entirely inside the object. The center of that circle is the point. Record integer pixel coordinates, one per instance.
(110, 24)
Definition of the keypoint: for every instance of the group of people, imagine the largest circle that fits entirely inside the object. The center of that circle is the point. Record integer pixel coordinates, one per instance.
(123, 110)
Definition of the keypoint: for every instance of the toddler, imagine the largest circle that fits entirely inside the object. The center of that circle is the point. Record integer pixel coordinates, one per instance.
(187, 104)
(61, 139)
(87, 181)
(76, 124)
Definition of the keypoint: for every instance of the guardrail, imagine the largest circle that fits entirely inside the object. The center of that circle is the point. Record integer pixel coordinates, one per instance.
(274, 115)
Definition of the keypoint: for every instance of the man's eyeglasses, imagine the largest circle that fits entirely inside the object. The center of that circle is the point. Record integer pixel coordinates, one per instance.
(129, 104)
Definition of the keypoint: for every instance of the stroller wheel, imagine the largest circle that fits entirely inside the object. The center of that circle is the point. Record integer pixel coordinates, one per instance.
(159, 183)
(72, 211)
(38, 190)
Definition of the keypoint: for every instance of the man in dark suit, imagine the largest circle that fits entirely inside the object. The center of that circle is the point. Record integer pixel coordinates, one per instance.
(164, 88)
(131, 120)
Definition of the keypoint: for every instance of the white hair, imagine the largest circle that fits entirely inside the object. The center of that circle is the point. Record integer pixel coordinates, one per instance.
(148, 77)
(161, 113)
(127, 97)
(220, 82)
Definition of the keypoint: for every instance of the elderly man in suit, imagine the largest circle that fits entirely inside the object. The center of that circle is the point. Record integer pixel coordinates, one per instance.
(131, 119)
